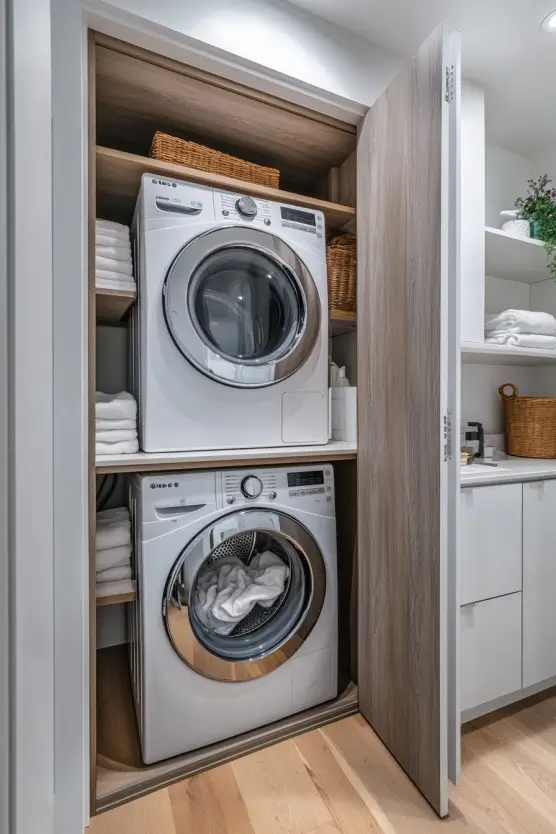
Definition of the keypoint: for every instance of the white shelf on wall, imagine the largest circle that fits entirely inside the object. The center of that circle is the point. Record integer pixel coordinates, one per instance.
(474, 353)
(214, 458)
(515, 258)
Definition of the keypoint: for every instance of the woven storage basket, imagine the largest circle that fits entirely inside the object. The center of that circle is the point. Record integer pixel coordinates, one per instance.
(341, 261)
(530, 424)
(171, 149)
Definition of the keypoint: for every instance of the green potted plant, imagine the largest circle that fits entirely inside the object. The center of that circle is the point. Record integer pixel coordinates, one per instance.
(539, 207)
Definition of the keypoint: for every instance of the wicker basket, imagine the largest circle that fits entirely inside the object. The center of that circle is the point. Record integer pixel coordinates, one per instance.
(171, 149)
(341, 260)
(530, 424)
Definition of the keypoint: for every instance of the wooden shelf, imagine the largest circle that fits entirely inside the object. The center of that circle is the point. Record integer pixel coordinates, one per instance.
(473, 353)
(515, 258)
(117, 599)
(119, 178)
(175, 461)
(121, 774)
(113, 305)
(341, 322)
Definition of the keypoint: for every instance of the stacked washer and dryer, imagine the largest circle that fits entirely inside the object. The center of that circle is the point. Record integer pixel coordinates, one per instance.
(229, 350)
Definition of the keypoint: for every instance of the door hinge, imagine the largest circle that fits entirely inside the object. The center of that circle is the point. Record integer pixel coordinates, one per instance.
(448, 436)
(450, 83)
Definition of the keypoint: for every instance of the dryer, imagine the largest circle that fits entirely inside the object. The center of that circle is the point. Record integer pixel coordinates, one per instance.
(192, 685)
(230, 332)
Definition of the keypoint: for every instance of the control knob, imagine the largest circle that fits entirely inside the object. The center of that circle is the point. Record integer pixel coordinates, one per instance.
(247, 207)
(251, 486)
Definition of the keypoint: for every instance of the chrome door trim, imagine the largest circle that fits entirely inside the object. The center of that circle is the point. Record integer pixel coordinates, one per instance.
(186, 333)
(177, 619)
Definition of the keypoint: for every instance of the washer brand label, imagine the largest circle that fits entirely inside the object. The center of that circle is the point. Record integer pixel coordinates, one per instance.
(165, 182)
(168, 485)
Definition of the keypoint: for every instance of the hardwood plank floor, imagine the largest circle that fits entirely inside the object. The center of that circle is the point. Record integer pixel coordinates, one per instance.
(340, 779)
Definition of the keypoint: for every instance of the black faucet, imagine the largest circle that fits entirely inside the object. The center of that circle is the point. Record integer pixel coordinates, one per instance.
(477, 435)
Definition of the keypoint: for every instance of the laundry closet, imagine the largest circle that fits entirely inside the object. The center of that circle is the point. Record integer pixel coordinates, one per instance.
(395, 487)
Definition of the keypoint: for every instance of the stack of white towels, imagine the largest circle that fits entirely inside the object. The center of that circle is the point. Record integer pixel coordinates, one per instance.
(116, 424)
(521, 328)
(113, 552)
(113, 265)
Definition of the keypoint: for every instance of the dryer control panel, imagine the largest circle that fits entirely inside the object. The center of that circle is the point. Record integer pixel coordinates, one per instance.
(298, 486)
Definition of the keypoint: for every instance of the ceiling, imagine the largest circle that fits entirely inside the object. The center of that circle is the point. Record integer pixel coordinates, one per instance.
(503, 50)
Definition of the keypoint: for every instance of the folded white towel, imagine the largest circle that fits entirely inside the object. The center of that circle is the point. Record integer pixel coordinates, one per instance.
(112, 265)
(125, 447)
(522, 321)
(120, 406)
(112, 589)
(109, 425)
(114, 513)
(112, 274)
(525, 340)
(111, 226)
(107, 238)
(229, 590)
(116, 252)
(113, 574)
(115, 435)
(128, 285)
(113, 557)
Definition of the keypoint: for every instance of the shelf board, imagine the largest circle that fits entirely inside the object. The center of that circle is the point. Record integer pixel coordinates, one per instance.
(116, 599)
(473, 353)
(119, 178)
(176, 461)
(515, 258)
(113, 305)
(121, 774)
(341, 322)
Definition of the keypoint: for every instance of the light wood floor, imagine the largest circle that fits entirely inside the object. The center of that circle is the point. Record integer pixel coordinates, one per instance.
(341, 780)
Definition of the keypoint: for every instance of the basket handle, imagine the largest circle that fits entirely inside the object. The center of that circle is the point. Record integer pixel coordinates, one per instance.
(513, 396)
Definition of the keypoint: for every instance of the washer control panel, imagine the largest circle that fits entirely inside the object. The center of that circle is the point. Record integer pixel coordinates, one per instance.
(309, 486)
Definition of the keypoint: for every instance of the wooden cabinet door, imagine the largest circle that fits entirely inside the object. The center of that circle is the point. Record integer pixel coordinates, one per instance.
(490, 563)
(408, 359)
(539, 582)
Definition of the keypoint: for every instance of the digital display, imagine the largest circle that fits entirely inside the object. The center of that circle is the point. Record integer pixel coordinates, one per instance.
(301, 479)
(298, 216)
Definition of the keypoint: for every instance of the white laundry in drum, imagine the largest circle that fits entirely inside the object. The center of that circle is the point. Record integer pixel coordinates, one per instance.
(226, 592)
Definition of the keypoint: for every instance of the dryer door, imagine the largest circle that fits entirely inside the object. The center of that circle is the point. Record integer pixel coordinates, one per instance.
(244, 595)
(241, 306)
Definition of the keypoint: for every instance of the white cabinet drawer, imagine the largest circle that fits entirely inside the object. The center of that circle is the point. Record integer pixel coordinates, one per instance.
(539, 581)
(489, 555)
(490, 650)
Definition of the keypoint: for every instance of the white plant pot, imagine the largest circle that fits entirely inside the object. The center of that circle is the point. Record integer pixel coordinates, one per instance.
(518, 228)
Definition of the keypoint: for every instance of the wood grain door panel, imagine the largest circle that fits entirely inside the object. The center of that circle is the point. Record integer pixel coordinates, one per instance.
(402, 393)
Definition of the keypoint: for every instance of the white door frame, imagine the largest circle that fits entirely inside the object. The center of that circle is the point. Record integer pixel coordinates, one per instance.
(70, 23)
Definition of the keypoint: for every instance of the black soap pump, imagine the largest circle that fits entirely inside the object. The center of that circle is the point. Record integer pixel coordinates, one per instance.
(479, 436)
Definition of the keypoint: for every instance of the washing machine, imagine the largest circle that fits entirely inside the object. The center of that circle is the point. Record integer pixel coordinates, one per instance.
(230, 332)
(194, 685)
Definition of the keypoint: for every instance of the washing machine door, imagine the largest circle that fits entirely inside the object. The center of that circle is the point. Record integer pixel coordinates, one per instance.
(244, 595)
(241, 306)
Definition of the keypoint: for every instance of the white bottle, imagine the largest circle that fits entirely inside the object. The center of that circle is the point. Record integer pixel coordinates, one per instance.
(333, 374)
(343, 381)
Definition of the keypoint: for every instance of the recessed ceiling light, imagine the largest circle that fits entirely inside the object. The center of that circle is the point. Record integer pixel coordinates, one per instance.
(549, 23)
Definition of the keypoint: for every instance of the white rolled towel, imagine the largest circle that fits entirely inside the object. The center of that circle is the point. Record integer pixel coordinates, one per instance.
(116, 275)
(113, 574)
(107, 238)
(113, 557)
(111, 226)
(121, 406)
(522, 321)
(115, 435)
(119, 284)
(115, 588)
(115, 252)
(109, 425)
(113, 529)
(112, 265)
(524, 340)
(113, 514)
(124, 447)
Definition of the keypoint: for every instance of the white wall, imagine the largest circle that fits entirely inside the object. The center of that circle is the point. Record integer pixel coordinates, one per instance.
(276, 36)
(544, 162)
(506, 179)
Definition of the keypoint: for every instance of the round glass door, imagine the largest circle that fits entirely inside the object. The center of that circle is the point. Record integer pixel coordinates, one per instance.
(242, 307)
(239, 604)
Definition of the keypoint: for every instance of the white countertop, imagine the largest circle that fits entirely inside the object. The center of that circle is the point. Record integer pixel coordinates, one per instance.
(511, 469)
